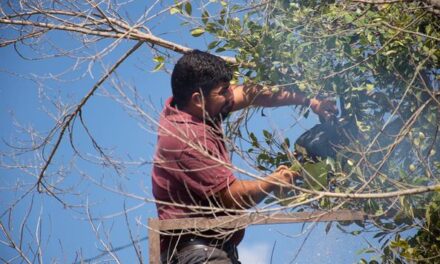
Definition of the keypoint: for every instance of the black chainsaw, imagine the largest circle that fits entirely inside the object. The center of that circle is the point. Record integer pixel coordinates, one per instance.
(317, 148)
(326, 139)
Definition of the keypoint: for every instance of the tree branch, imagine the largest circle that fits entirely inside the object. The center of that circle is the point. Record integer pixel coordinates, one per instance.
(133, 35)
(383, 195)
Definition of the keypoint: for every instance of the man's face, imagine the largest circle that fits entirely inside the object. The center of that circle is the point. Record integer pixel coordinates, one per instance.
(219, 102)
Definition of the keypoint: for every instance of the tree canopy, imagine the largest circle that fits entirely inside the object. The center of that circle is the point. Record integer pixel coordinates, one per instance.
(381, 62)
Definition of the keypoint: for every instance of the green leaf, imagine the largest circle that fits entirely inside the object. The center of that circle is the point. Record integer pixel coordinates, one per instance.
(401, 243)
(370, 37)
(363, 261)
(267, 134)
(296, 166)
(356, 232)
(158, 67)
(159, 59)
(188, 8)
(302, 86)
(362, 126)
(380, 234)
(287, 142)
(205, 17)
(390, 52)
(175, 10)
(263, 157)
(254, 140)
(213, 44)
(428, 29)
(315, 175)
(196, 32)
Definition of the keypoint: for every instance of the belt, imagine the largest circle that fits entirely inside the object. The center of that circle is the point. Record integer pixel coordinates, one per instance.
(199, 242)
(195, 243)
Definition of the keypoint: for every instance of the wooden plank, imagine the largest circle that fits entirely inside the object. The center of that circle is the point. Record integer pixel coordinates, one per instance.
(240, 221)
(154, 240)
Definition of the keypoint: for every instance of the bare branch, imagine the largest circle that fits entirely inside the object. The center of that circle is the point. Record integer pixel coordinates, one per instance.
(134, 35)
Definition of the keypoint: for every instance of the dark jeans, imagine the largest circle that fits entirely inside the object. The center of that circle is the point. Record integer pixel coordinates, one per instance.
(200, 253)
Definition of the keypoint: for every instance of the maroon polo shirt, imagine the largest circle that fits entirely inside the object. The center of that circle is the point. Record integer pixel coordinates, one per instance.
(191, 164)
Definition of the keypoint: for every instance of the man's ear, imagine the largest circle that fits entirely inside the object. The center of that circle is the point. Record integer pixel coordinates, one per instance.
(197, 100)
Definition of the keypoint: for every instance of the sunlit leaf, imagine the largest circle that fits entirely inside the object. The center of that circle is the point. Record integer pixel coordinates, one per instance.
(196, 32)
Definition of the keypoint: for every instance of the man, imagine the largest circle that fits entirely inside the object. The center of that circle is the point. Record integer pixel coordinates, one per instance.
(192, 173)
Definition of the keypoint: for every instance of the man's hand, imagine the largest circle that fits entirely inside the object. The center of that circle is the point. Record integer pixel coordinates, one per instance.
(324, 108)
(284, 176)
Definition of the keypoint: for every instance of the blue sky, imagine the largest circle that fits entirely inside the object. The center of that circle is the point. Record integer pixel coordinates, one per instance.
(66, 232)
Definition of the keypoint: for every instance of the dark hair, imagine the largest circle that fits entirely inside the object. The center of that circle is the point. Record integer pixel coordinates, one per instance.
(197, 70)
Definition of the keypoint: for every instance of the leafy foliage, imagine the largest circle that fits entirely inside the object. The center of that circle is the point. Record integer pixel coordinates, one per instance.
(382, 65)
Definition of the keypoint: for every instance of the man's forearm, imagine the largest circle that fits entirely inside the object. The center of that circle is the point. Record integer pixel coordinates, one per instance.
(242, 194)
(256, 95)
(267, 98)
(245, 194)
(247, 95)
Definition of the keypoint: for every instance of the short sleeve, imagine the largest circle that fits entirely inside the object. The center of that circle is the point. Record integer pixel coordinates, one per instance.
(204, 171)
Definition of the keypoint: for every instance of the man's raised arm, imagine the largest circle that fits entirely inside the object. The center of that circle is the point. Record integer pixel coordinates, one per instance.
(256, 95)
